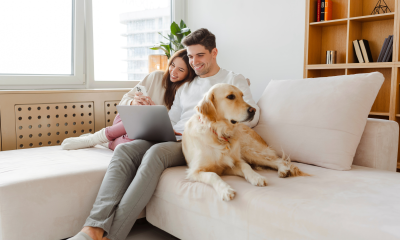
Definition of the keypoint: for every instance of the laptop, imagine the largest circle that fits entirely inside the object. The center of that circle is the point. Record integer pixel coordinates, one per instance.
(149, 123)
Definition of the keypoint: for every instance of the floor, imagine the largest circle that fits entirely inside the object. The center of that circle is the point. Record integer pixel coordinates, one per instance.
(142, 230)
(146, 231)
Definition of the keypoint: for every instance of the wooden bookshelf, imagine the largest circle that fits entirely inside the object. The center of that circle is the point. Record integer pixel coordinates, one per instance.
(352, 19)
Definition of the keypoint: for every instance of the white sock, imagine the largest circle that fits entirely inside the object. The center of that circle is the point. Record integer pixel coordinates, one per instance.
(85, 141)
(81, 236)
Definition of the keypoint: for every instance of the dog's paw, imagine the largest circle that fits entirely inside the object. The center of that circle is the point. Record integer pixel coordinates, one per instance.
(258, 180)
(284, 173)
(227, 193)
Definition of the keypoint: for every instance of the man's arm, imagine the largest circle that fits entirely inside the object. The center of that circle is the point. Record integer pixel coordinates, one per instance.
(176, 110)
(241, 82)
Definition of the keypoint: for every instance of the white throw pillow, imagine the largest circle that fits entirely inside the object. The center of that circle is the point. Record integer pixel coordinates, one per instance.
(318, 121)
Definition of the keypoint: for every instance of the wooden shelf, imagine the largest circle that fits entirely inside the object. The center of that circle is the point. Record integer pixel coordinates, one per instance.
(397, 115)
(398, 167)
(352, 65)
(370, 18)
(379, 114)
(330, 23)
(359, 8)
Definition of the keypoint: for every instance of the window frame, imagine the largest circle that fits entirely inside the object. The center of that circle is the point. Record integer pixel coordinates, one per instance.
(75, 80)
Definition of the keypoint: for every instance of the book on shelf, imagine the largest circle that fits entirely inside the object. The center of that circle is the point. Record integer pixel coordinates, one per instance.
(366, 51)
(322, 10)
(328, 10)
(383, 50)
(318, 10)
(357, 51)
(389, 50)
(389, 58)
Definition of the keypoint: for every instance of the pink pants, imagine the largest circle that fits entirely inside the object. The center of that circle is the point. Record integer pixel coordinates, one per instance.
(116, 133)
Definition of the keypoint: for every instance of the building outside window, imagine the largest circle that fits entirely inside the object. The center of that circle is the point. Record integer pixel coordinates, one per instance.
(123, 39)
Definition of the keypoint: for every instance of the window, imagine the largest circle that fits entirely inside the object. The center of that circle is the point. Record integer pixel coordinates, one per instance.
(123, 32)
(41, 42)
(80, 44)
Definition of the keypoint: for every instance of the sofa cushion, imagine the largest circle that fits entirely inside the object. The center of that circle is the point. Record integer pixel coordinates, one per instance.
(359, 204)
(318, 120)
(48, 192)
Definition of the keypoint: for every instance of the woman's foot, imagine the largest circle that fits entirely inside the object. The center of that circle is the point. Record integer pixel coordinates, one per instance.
(85, 141)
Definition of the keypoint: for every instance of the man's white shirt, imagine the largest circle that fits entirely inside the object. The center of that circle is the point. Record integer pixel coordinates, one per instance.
(189, 95)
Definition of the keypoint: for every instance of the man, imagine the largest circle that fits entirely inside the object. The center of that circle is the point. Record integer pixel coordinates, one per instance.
(202, 53)
(136, 166)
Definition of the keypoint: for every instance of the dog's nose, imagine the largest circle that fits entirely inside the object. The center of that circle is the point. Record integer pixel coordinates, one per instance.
(251, 110)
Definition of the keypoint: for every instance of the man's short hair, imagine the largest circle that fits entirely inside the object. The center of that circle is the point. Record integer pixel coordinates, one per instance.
(201, 36)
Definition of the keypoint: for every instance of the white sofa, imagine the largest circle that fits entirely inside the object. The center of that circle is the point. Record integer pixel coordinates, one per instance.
(48, 193)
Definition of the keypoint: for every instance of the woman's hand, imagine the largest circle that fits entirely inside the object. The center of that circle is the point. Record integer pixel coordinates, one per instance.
(139, 99)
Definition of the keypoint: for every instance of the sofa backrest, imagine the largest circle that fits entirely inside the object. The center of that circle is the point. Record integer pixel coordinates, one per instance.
(45, 118)
(95, 109)
(378, 146)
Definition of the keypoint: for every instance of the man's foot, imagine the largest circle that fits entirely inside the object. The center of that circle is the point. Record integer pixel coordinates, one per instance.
(95, 233)
(81, 236)
(86, 235)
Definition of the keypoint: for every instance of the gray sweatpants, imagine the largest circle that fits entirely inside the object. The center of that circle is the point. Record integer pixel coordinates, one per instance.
(129, 183)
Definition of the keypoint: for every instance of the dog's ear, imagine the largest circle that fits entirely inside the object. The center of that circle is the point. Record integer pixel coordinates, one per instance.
(206, 107)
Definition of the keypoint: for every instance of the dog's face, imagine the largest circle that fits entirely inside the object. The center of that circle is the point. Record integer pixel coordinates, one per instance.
(225, 101)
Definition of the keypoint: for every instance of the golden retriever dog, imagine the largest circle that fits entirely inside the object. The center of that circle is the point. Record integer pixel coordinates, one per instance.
(216, 142)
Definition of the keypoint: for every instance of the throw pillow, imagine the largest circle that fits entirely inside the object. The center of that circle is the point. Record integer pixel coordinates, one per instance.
(318, 121)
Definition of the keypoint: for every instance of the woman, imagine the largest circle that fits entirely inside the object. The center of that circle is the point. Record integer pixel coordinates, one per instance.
(161, 88)
(136, 166)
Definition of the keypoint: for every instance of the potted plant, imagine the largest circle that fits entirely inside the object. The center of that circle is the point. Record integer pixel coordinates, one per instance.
(178, 32)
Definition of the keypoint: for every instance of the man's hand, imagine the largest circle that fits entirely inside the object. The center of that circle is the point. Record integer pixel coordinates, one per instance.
(176, 133)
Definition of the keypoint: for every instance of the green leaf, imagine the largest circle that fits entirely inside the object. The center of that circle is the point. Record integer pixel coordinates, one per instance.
(162, 47)
(171, 37)
(174, 39)
(167, 47)
(179, 37)
(184, 30)
(182, 24)
(163, 36)
(174, 28)
(177, 45)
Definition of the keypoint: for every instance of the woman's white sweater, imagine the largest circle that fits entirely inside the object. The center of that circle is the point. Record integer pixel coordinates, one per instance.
(154, 88)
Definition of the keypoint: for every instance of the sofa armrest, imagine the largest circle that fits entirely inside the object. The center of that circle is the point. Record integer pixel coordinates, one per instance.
(378, 146)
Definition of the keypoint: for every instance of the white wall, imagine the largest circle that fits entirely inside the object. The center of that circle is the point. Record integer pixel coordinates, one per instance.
(261, 39)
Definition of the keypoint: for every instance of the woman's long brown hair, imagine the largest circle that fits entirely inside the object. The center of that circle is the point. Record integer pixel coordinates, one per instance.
(172, 87)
